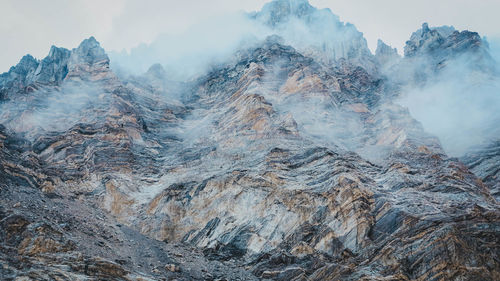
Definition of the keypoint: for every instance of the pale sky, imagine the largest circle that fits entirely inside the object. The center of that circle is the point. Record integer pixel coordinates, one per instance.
(32, 26)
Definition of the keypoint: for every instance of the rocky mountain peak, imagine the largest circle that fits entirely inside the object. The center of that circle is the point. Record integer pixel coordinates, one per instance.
(156, 71)
(385, 54)
(89, 52)
(30, 73)
(443, 41)
(26, 66)
(425, 28)
(291, 160)
(431, 49)
(385, 50)
(424, 40)
(279, 11)
(26, 63)
(53, 68)
(317, 33)
(57, 53)
(89, 62)
(17, 77)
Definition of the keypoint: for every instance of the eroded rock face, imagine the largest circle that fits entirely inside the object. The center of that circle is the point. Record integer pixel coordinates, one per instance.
(386, 55)
(443, 41)
(274, 166)
(433, 51)
(441, 56)
(317, 33)
(47, 233)
(484, 162)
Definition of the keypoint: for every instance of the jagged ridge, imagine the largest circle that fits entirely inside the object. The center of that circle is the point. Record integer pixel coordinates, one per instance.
(235, 166)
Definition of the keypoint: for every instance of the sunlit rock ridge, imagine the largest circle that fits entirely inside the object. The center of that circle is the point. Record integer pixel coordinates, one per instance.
(292, 158)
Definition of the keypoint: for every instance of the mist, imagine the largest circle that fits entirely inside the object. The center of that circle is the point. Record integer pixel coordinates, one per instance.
(494, 48)
(459, 104)
(191, 53)
(214, 41)
(54, 110)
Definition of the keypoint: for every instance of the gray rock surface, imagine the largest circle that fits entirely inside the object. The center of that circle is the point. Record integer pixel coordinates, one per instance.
(484, 161)
(274, 165)
(431, 50)
(317, 33)
(385, 54)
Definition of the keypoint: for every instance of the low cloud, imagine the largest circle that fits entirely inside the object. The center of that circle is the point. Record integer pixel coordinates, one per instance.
(459, 104)
(53, 110)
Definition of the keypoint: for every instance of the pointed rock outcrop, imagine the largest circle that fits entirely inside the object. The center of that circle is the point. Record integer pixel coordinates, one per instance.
(279, 164)
(385, 53)
(89, 62)
(317, 33)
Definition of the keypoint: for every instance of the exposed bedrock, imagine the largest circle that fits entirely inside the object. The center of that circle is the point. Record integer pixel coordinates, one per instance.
(276, 165)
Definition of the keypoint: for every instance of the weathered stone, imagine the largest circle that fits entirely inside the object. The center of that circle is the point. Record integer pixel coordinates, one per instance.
(271, 166)
(172, 268)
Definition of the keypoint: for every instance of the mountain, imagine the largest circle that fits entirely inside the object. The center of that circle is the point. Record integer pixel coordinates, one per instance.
(484, 162)
(275, 163)
(316, 33)
(435, 49)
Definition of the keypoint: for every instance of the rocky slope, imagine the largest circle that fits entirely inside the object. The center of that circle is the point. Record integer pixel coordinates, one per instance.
(438, 57)
(276, 165)
(433, 51)
(484, 161)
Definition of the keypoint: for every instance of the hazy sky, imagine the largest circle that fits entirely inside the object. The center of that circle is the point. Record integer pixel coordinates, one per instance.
(32, 26)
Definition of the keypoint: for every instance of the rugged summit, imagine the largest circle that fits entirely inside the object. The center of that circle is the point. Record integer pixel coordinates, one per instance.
(484, 161)
(274, 165)
(457, 63)
(385, 54)
(30, 74)
(442, 40)
(431, 51)
(317, 33)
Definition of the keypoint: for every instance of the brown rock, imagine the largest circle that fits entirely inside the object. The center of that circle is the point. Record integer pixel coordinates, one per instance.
(172, 268)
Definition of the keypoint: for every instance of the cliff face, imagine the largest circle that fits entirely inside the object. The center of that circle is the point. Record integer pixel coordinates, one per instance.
(316, 33)
(276, 165)
(484, 162)
(456, 73)
(430, 52)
